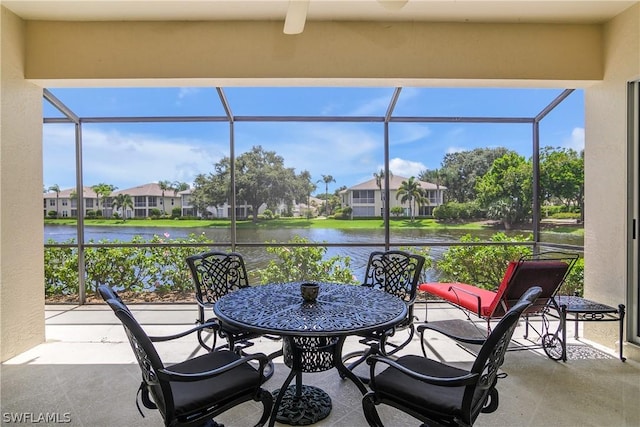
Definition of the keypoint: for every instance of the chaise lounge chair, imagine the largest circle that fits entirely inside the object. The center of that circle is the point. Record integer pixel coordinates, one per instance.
(547, 270)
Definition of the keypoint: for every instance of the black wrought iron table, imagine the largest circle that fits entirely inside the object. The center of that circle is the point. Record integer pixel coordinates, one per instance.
(584, 310)
(313, 334)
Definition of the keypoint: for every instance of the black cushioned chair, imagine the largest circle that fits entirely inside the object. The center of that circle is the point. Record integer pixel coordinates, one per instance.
(397, 273)
(216, 274)
(440, 394)
(192, 392)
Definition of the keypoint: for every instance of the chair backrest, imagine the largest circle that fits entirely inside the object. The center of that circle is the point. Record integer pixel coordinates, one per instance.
(216, 274)
(548, 270)
(107, 293)
(144, 351)
(491, 357)
(395, 272)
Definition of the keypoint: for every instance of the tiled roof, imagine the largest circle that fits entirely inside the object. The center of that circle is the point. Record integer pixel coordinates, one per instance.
(395, 182)
(66, 193)
(151, 189)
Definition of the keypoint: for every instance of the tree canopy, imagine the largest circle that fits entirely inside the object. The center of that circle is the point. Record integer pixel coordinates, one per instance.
(260, 177)
(562, 176)
(460, 171)
(506, 189)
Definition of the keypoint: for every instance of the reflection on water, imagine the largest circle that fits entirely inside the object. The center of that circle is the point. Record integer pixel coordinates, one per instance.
(258, 257)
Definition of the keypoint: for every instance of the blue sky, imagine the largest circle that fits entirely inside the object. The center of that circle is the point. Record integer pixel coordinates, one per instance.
(131, 154)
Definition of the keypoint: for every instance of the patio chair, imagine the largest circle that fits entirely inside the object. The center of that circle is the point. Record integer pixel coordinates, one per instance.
(192, 392)
(548, 270)
(215, 274)
(397, 273)
(441, 394)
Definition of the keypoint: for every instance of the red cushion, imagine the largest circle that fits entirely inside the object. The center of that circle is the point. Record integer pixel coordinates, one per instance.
(481, 301)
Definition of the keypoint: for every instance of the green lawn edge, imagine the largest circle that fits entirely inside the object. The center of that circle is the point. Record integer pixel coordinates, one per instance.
(319, 223)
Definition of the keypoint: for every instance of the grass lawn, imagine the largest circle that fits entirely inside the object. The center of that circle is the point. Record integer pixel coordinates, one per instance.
(278, 223)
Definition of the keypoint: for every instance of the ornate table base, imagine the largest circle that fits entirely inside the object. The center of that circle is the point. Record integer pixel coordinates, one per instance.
(311, 406)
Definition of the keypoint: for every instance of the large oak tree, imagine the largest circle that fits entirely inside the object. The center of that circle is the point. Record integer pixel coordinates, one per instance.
(260, 177)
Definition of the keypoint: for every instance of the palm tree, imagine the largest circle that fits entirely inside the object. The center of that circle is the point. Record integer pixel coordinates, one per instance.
(326, 179)
(411, 191)
(165, 186)
(123, 201)
(56, 188)
(379, 176)
(103, 190)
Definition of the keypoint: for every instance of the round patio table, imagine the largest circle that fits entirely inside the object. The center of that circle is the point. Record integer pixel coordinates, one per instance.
(313, 334)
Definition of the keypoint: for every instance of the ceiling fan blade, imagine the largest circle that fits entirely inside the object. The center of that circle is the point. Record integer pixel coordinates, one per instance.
(296, 16)
(393, 4)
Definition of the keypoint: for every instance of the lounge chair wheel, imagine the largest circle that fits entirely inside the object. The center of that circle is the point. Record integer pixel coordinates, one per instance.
(552, 345)
(492, 402)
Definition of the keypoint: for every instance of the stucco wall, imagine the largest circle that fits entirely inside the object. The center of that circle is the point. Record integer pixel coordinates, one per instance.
(21, 238)
(354, 52)
(606, 230)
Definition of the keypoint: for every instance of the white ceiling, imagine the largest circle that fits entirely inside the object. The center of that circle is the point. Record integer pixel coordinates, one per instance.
(548, 11)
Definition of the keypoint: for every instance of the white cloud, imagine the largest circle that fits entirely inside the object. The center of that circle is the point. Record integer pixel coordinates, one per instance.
(406, 168)
(319, 148)
(187, 91)
(576, 141)
(126, 159)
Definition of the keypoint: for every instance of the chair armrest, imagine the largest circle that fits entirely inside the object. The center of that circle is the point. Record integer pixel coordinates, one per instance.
(203, 304)
(467, 379)
(455, 288)
(412, 300)
(210, 325)
(468, 340)
(169, 375)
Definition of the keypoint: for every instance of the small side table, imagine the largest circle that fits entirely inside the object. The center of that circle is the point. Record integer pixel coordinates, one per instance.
(584, 310)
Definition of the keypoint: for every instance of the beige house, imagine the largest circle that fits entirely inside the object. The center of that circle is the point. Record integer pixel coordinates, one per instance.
(591, 45)
(145, 198)
(65, 202)
(367, 199)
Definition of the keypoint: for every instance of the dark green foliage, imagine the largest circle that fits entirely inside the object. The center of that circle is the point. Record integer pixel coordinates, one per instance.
(480, 265)
(574, 284)
(453, 211)
(484, 266)
(397, 211)
(299, 263)
(130, 268)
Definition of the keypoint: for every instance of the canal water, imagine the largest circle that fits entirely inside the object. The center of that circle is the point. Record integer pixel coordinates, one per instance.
(259, 258)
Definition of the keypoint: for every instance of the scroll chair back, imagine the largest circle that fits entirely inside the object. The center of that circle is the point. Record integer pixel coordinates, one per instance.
(216, 274)
(396, 273)
(441, 394)
(192, 392)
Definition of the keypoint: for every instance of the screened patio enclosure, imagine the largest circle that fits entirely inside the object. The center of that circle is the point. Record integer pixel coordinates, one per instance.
(393, 131)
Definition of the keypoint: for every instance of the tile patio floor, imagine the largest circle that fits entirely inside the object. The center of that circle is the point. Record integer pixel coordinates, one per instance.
(86, 369)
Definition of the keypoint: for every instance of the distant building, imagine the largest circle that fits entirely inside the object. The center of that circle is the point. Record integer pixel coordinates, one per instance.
(147, 197)
(65, 202)
(366, 199)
